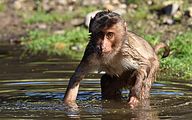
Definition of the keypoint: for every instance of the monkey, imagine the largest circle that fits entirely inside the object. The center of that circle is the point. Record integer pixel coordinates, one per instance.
(128, 59)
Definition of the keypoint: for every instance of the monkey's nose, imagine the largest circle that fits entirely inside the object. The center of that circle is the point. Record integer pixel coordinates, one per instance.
(98, 49)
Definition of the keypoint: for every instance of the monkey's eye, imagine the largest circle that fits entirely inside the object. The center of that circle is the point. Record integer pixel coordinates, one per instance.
(109, 35)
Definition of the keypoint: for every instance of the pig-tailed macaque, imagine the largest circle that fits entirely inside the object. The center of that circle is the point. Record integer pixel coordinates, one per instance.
(128, 59)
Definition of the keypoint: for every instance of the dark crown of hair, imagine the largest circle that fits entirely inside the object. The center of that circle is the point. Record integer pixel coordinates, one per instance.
(104, 19)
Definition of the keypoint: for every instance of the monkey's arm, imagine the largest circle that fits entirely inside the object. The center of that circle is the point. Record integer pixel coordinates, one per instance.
(138, 90)
(80, 72)
(72, 89)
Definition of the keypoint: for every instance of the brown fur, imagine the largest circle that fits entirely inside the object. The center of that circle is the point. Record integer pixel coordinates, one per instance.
(128, 59)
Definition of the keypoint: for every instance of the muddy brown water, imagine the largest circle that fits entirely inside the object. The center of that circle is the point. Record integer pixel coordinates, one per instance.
(32, 87)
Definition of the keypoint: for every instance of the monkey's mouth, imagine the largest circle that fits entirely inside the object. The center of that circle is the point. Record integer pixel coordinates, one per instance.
(105, 53)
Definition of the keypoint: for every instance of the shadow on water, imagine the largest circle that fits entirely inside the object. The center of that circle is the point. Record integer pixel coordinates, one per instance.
(33, 88)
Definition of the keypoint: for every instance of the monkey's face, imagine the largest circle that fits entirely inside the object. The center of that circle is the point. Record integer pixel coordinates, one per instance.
(108, 40)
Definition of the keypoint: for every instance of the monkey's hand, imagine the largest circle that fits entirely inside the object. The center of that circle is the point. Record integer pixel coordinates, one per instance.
(71, 106)
(133, 101)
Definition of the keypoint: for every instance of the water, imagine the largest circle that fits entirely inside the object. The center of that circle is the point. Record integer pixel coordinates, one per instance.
(32, 87)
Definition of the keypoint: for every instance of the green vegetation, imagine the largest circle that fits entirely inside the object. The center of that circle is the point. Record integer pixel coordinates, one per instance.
(58, 43)
(179, 62)
(49, 18)
(77, 36)
(87, 9)
(2, 7)
(31, 17)
(133, 1)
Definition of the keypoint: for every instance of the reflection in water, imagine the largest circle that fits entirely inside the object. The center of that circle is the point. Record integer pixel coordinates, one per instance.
(33, 88)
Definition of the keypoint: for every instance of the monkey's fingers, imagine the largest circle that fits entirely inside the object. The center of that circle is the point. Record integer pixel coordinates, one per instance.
(133, 102)
(72, 106)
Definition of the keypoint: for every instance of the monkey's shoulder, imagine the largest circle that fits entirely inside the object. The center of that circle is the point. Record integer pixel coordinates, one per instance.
(136, 39)
(139, 45)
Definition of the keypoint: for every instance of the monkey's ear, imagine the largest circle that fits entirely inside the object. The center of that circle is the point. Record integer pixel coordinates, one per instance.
(125, 25)
(91, 24)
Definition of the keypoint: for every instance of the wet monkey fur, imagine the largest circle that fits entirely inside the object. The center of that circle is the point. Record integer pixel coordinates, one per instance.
(128, 59)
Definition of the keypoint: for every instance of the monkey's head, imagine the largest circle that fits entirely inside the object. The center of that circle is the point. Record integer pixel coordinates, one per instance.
(108, 32)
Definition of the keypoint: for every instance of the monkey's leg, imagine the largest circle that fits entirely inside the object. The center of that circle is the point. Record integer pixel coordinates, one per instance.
(145, 90)
(110, 87)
